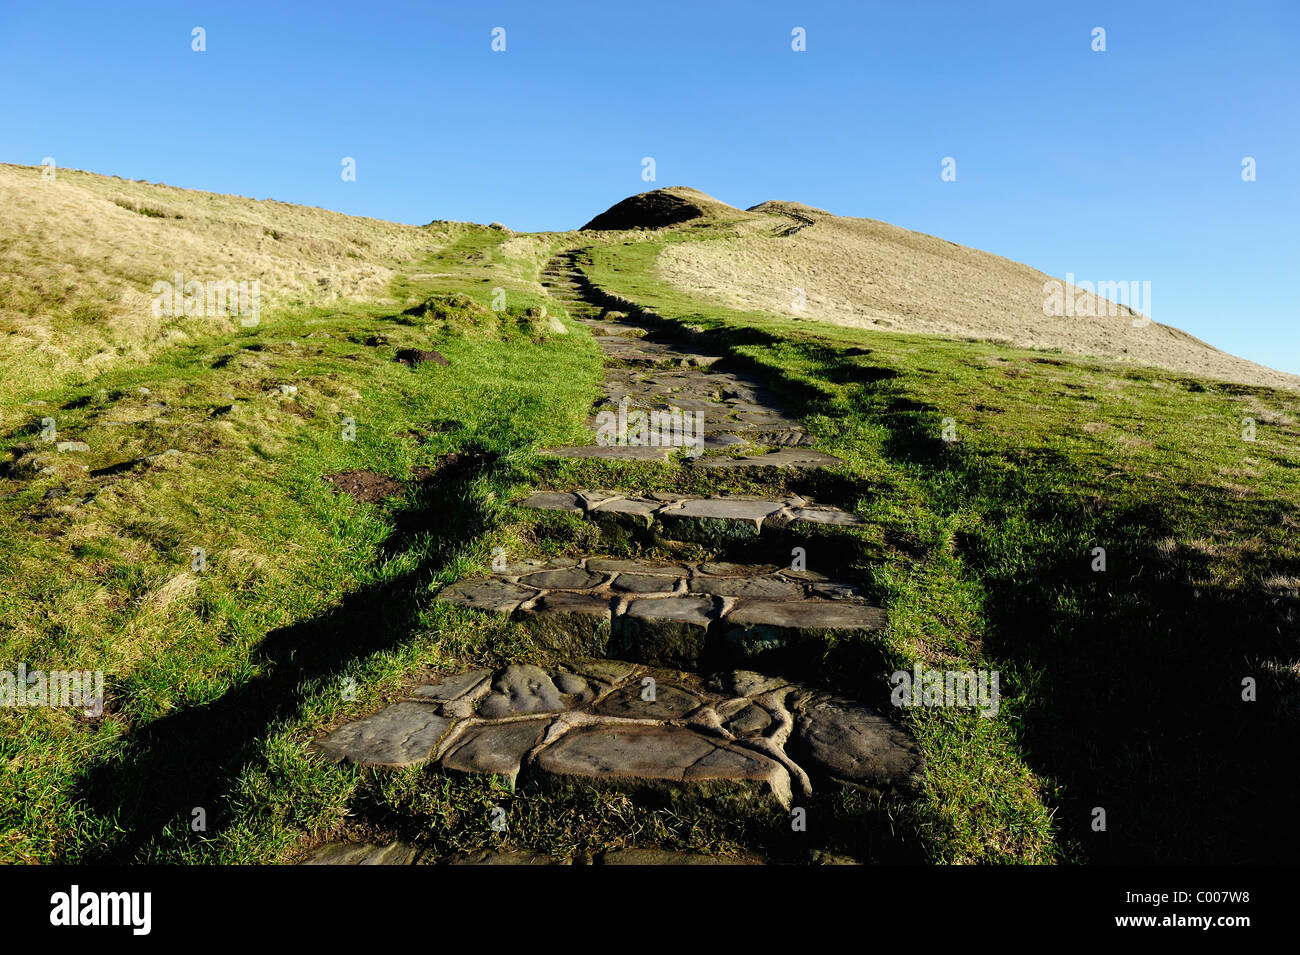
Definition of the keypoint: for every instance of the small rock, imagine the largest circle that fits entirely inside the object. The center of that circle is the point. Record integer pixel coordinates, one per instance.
(72, 446)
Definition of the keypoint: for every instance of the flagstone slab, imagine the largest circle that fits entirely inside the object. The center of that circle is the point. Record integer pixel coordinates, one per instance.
(494, 596)
(853, 742)
(785, 458)
(496, 748)
(667, 702)
(739, 735)
(520, 690)
(361, 853)
(403, 734)
(611, 452)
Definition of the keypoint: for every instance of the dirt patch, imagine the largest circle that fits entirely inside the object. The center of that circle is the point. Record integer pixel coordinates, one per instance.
(452, 466)
(365, 485)
(413, 357)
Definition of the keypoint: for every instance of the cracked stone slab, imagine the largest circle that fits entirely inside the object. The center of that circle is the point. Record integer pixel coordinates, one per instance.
(400, 735)
(738, 734)
(496, 748)
(570, 579)
(660, 753)
(522, 689)
(453, 687)
(853, 742)
(611, 452)
(762, 587)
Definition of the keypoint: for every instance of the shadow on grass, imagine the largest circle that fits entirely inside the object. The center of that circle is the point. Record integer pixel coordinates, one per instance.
(193, 757)
(1138, 708)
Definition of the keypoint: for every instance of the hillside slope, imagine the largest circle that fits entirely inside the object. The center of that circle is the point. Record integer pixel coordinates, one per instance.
(868, 274)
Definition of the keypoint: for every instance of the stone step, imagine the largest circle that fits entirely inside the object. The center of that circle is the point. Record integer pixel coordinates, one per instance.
(732, 516)
(671, 614)
(607, 330)
(636, 351)
(739, 737)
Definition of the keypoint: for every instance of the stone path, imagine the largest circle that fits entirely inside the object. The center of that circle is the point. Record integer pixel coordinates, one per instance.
(623, 712)
(737, 420)
(670, 614)
(739, 734)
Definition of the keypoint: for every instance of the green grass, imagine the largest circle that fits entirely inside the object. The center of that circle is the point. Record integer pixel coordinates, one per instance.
(1119, 689)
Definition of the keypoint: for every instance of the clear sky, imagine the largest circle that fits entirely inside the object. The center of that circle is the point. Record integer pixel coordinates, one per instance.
(1116, 165)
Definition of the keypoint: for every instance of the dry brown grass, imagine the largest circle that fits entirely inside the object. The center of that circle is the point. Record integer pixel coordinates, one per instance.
(869, 274)
(79, 255)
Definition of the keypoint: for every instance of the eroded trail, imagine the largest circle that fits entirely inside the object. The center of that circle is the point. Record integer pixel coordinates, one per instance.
(660, 685)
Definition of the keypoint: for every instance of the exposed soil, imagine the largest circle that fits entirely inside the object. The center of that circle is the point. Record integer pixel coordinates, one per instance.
(411, 357)
(366, 485)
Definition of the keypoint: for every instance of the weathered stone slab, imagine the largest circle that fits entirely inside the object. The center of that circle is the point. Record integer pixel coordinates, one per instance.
(553, 501)
(662, 857)
(784, 458)
(496, 748)
(669, 703)
(723, 508)
(573, 579)
(810, 615)
(399, 735)
(644, 584)
(632, 753)
(826, 515)
(612, 672)
(743, 718)
(765, 587)
(852, 742)
(611, 452)
(451, 687)
(666, 631)
(361, 853)
(494, 596)
(746, 683)
(522, 689)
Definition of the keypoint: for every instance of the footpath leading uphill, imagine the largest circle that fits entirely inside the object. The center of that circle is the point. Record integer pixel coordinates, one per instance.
(662, 687)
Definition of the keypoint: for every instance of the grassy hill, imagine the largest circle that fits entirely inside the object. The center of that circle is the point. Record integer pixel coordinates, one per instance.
(1121, 688)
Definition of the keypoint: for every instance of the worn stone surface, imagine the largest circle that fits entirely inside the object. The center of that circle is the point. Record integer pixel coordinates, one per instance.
(676, 754)
(668, 613)
(496, 748)
(669, 703)
(521, 689)
(749, 510)
(399, 735)
(738, 734)
(360, 853)
(853, 742)
(663, 857)
(495, 596)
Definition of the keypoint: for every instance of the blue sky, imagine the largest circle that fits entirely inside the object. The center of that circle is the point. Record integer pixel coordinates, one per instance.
(1119, 165)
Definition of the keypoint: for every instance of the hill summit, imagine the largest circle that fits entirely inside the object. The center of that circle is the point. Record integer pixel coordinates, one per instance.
(660, 208)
